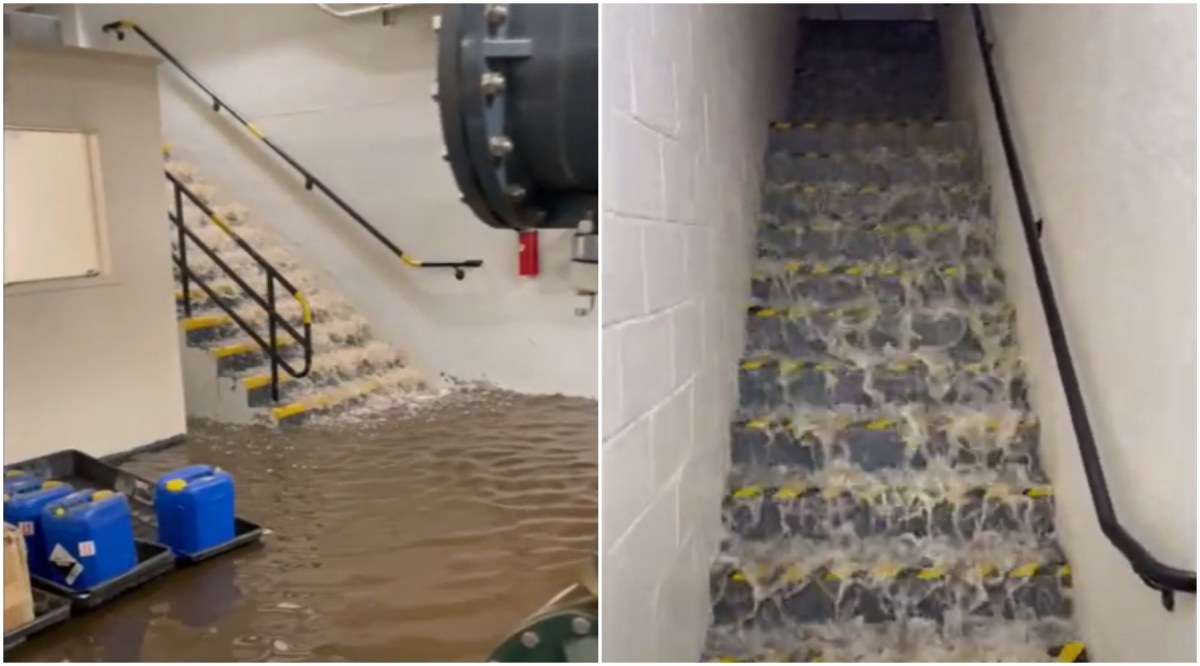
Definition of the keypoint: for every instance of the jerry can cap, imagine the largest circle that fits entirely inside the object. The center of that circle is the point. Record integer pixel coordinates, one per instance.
(59, 511)
(46, 485)
(175, 485)
(101, 494)
(14, 472)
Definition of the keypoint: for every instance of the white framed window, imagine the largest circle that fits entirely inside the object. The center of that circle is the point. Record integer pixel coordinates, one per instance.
(53, 209)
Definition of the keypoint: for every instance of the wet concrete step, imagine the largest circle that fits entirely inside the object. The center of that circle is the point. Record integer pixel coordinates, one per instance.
(825, 506)
(916, 640)
(800, 596)
(912, 66)
(942, 586)
(213, 324)
(881, 330)
(231, 293)
(209, 323)
(871, 204)
(324, 401)
(882, 168)
(242, 264)
(964, 439)
(832, 242)
(220, 240)
(330, 368)
(235, 356)
(771, 383)
(916, 283)
(862, 107)
(895, 133)
(877, 36)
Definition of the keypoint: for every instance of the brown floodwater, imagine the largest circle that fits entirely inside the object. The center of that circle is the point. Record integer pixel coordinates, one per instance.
(400, 538)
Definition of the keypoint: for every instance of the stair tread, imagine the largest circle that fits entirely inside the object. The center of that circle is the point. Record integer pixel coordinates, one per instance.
(906, 640)
(918, 438)
(324, 365)
(770, 382)
(880, 168)
(882, 580)
(327, 398)
(966, 283)
(986, 554)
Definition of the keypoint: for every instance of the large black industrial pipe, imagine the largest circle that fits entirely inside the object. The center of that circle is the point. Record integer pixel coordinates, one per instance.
(518, 93)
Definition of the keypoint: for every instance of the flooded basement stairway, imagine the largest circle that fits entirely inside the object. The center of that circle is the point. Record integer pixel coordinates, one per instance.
(886, 500)
(402, 537)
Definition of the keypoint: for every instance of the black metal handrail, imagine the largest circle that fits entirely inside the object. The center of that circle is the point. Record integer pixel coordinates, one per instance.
(310, 181)
(275, 321)
(1166, 579)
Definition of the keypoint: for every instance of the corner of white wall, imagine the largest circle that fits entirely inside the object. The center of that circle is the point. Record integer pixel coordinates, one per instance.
(688, 91)
(1119, 618)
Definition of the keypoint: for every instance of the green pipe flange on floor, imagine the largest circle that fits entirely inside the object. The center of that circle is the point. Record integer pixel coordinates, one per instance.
(565, 630)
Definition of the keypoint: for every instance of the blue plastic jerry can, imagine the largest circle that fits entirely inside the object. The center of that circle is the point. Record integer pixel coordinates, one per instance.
(89, 538)
(194, 506)
(24, 510)
(19, 481)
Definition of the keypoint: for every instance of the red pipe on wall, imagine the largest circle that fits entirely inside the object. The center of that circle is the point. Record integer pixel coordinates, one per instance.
(527, 256)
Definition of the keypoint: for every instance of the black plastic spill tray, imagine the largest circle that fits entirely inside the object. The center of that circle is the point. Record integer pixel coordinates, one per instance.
(83, 471)
(154, 560)
(48, 610)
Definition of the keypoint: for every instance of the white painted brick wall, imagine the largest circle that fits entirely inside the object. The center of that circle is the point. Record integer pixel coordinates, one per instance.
(688, 92)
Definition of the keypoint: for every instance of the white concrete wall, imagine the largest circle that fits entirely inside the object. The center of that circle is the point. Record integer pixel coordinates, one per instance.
(1102, 101)
(351, 100)
(93, 363)
(687, 93)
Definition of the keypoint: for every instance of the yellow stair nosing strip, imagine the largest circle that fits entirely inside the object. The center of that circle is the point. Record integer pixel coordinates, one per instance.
(199, 322)
(330, 399)
(1071, 651)
(262, 379)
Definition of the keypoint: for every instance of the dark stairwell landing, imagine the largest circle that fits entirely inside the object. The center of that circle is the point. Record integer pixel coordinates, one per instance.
(886, 501)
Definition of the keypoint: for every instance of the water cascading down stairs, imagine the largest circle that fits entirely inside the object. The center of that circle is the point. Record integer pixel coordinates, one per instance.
(226, 373)
(886, 500)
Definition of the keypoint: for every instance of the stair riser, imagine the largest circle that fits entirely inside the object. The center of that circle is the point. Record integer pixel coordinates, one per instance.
(938, 242)
(288, 390)
(324, 378)
(204, 305)
(771, 389)
(296, 420)
(873, 36)
(964, 336)
(816, 601)
(944, 137)
(210, 335)
(880, 169)
(234, 364)
(953, 286)
(816, 106)
(760, 454)
(816, 516)
(242, 266)
(827, 204)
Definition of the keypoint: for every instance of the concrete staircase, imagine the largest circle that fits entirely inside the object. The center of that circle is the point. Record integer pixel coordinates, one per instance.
(886, 501)
(227, 376)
